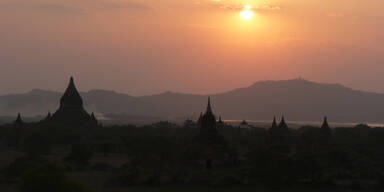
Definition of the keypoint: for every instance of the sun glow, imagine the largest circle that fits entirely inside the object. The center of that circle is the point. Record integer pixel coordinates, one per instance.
(247, 12)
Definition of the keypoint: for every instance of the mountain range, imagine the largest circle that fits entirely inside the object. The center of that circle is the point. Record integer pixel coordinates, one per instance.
(297, 99)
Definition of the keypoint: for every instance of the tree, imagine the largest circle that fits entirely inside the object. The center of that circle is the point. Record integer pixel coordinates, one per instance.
(37, 144)
(80, 154)
(48, 177)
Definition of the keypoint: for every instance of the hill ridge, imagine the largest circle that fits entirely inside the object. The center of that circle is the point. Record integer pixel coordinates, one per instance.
(299, 99)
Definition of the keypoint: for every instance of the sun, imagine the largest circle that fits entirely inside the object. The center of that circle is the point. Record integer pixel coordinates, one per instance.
(247, 12)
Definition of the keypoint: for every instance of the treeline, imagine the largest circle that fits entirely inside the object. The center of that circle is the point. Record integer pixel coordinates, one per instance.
(165, 154)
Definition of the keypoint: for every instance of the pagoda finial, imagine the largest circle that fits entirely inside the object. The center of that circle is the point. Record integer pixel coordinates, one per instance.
(71, 96)
(209, 108)
(274, 124)
(220, 122)
(71, 82)
(282, 122)
(325, 123)
(18, 119)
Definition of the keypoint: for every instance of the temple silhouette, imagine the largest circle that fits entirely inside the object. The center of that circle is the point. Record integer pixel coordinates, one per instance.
(279, 132)
(19, 120)
(212, 146)
(71, 110)
(206, 152)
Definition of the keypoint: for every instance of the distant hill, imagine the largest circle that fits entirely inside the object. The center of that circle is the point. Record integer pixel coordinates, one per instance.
(297, 99)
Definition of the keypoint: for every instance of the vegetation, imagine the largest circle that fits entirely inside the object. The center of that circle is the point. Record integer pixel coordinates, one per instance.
(48, 177)
(166, 154)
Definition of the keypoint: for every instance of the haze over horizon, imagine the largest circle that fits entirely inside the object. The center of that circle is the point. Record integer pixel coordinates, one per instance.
(193, 46)
(188, 93)
(298, 99)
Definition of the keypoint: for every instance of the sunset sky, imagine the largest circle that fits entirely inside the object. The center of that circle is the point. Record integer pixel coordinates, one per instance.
(144, 47)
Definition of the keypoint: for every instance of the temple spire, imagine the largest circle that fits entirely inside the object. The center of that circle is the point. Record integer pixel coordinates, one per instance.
(208, 120)
(71, 97)
(325, 123)
(209, 108)
(325, 127)
(220, 123)
(72, 83)
(274, 124)
(18, 119)
(244, 122)
(282, 123)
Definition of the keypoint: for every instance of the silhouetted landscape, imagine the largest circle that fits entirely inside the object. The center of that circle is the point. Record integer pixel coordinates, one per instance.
(191, 96)
(71, 151)
(300, 99)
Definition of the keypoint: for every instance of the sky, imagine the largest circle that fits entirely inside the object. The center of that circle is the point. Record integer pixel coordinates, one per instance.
(143, 47)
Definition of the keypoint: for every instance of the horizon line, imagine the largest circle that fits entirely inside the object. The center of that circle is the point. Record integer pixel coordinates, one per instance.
(189, 93)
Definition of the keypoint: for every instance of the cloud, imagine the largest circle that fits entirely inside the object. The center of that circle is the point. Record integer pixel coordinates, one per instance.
(267, 7)
(238, 7)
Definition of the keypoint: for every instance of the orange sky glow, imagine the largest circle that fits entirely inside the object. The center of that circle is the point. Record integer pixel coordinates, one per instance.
(196, 46)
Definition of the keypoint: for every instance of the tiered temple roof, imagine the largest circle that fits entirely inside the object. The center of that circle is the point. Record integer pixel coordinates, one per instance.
(71, 110)
(208, 122)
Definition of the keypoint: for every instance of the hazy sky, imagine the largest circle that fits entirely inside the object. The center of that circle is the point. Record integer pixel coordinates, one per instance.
(197, 46)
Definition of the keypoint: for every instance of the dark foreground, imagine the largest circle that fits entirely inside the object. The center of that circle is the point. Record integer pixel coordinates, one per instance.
(168, 157)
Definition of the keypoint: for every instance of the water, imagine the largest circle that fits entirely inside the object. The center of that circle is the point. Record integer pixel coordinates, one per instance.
(297, 124)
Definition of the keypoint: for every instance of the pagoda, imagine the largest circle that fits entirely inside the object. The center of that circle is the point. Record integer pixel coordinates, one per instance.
(208, 127)
(325, 129)
(278, 130)
(18, 120)
(279, 135)
(71, 110)
(210, 144)
(325, 134)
